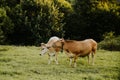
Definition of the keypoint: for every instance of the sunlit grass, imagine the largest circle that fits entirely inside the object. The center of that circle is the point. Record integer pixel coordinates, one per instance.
(24, 63)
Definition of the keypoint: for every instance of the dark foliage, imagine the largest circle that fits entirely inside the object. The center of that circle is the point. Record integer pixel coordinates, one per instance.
(30, 22)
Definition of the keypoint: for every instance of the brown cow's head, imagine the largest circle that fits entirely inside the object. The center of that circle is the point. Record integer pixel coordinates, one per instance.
(59, 44)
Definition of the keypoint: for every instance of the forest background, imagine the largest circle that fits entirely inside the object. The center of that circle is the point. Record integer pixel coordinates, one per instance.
(30, 22)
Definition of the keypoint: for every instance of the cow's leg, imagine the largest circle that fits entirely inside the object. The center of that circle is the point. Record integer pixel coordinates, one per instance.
(70, 61)
(75, 58)
(89, 59)
(93, 58)
(56, 58)
(49, 59)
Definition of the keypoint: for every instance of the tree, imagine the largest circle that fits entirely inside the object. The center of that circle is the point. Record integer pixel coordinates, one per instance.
(36, 21)
(6, 26)
(92, 18)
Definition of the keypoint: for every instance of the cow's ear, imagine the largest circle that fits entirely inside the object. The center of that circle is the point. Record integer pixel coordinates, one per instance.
(43, 44)
(62, 40)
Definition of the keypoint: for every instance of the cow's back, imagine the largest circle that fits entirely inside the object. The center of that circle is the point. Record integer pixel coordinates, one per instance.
(93, 43)
(90, 44)
(51, 41)
(81, 47)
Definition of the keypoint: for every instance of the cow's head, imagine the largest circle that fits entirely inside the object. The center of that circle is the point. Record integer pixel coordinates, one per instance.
(44, 49)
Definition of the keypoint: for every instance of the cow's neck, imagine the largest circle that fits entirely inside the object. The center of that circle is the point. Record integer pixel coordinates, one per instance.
(62, 46)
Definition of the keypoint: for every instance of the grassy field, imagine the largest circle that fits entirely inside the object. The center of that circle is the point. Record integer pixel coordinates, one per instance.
(24, 63)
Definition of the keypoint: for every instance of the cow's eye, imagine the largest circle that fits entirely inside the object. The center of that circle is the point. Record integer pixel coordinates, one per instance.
(42, 49)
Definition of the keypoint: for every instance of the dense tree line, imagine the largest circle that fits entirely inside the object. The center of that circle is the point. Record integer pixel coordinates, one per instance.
(29, 22)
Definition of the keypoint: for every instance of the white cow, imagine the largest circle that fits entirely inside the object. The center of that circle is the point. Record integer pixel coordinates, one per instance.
(47, 48)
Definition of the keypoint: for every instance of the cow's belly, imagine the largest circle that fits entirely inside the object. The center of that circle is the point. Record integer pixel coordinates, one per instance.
(77, 52)
(83, 55)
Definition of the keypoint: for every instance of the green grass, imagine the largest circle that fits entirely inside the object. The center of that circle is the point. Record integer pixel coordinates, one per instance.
(24, 63)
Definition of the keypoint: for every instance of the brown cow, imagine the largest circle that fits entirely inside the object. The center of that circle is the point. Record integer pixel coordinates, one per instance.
(75, 49)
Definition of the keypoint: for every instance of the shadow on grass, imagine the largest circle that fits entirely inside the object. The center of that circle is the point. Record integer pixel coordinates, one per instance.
(4, 59)
(3, 49)
(11, 73)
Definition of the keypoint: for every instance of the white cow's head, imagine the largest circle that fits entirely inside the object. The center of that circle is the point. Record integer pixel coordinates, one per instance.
(44, 49)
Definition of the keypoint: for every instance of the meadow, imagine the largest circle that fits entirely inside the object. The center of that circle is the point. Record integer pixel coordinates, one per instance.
(25, 63)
